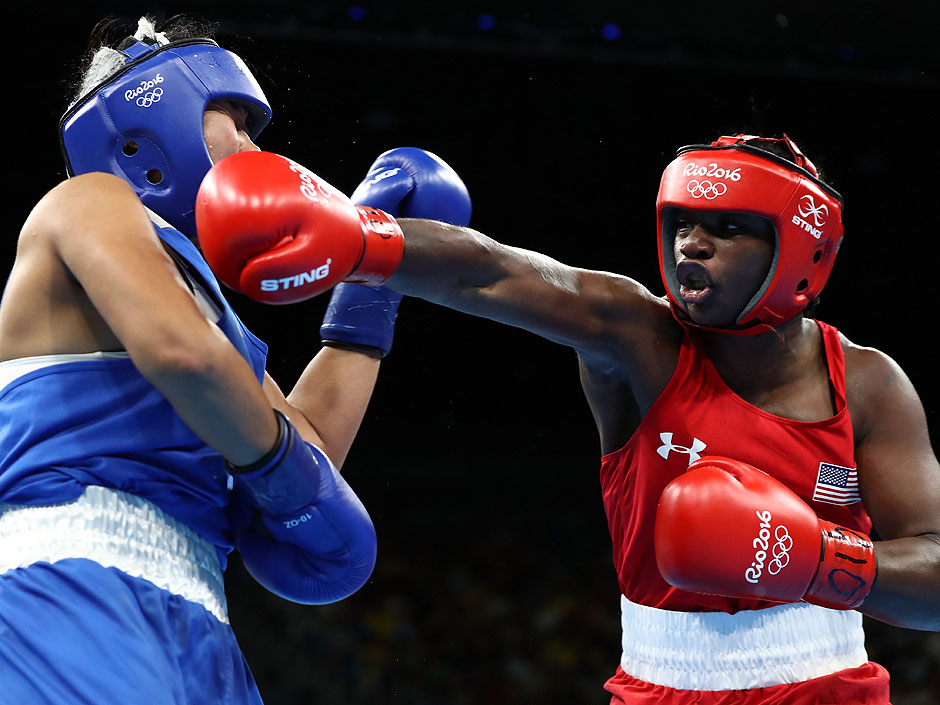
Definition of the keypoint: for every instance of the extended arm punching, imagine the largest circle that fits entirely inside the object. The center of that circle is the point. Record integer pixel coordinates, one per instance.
(468, 271)
(327, 240)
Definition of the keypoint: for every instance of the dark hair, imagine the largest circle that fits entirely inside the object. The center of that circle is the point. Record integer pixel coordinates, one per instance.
(774, 147)
(777, 148)
(113, 32)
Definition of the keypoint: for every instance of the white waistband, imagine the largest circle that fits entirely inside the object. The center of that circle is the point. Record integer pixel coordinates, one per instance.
(10, 370)
(750, 649)
(118, 530)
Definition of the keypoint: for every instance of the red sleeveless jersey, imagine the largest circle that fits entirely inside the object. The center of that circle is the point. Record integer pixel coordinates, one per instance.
(698, 414)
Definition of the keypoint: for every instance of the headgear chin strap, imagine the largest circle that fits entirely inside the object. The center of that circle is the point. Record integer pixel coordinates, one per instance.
(732, 176)
(145, 123)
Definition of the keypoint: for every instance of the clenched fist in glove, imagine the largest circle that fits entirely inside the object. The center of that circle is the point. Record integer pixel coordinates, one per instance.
(275, 231)
(406, 182)
(727, 528)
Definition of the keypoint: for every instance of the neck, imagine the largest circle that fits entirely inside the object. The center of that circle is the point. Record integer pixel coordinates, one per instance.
(765, 356)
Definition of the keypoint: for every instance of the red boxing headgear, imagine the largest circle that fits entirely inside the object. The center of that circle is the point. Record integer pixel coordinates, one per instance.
(734, 177)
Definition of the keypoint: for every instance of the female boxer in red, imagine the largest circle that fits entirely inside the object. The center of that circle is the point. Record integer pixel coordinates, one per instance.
(768, 447)
(727, 364)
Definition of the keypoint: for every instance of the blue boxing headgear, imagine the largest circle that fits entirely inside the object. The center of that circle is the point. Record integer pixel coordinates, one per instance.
(145, 123)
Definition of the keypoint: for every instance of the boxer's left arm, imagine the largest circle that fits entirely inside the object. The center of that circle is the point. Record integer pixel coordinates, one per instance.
(774, 547)
(899, 480)
(271, 229)
(320, 547)
(329, 399)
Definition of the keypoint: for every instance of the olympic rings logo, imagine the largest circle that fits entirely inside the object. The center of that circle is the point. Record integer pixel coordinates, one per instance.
(780, 552)
(147, 92)
(706, 189)
(148, 99)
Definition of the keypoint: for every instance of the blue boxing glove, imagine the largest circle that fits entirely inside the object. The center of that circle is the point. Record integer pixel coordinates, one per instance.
(405, 182)
(411, 183)
(301, 531)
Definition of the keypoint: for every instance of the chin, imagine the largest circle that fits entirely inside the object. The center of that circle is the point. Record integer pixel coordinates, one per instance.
(710, 320)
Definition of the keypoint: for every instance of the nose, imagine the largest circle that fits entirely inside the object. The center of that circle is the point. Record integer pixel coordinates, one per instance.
(695, 243)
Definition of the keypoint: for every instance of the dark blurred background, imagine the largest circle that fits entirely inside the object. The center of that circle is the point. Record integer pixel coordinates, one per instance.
(478, 459)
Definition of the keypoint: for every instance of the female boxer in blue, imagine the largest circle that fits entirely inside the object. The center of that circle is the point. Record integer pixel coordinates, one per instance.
(141, 436)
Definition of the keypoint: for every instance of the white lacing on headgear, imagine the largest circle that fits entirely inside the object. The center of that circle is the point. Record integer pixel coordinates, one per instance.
(146, 30)
(107, 61)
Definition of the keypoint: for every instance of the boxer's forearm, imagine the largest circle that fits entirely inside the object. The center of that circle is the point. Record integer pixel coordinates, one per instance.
(471, 272)
(906, 592)
(442, 261)
(467, 271)
(333, 394)
(219, 398)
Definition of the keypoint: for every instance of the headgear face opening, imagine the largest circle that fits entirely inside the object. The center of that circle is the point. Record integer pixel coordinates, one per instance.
(145, 123)
(732, 176)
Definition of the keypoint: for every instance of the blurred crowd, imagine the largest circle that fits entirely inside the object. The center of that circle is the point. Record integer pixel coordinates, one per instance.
(514, 607)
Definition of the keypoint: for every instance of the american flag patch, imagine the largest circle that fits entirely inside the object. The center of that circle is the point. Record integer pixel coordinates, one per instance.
(836, 485)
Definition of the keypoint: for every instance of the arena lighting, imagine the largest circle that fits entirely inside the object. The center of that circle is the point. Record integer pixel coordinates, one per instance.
(611, 31)
(486, 22)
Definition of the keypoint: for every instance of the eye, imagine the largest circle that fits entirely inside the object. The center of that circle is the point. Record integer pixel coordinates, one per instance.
(237, 112)
(726, 228)
(240, 116)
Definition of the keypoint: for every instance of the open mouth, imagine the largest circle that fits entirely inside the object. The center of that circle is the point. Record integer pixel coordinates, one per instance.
(694, 282)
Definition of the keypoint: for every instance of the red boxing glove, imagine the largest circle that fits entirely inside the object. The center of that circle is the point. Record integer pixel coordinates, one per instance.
(273, 230)
(727, 528)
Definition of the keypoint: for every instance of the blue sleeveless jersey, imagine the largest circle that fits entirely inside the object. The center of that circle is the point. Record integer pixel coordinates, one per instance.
(95, 420)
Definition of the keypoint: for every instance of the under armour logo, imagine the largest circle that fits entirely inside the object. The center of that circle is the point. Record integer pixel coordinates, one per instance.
(668, 446)
(809, 208)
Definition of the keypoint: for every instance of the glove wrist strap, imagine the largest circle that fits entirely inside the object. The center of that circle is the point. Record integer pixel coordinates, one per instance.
(847, 568)
(270, 459)
(361, 318)
(287, 478)
(384, 245)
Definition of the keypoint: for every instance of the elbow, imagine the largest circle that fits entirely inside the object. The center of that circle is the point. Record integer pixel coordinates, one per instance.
(173, 359)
